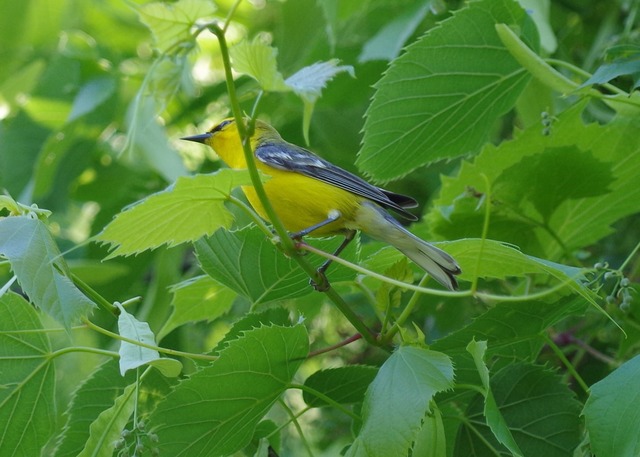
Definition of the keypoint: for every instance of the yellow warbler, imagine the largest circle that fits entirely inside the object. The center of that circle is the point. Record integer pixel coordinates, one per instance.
(312, 196)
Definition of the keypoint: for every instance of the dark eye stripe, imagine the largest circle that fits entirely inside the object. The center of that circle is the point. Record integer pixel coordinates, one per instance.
(221, 125)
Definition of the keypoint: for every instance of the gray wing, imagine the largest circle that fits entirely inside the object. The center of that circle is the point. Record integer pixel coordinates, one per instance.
(287, 156)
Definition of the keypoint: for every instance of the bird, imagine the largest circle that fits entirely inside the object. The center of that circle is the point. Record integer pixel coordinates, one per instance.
(312, 196)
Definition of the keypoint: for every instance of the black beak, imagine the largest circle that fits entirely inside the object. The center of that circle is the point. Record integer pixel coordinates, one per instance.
(201, 138)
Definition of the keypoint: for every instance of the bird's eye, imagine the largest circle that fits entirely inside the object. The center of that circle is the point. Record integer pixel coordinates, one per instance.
(221, 125)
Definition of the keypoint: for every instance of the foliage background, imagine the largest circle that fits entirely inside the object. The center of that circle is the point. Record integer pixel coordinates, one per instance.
(93, 101)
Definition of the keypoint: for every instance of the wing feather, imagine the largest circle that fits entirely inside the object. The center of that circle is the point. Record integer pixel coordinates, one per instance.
(287, 156)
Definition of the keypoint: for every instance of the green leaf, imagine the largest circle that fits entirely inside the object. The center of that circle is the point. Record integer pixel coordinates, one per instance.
(95, 395)
(457, 76)
(197, 299)
(258, 60)
(132, 355)
(216, 410)
(611, 415)
(387, 43)
(576, 222)
(398, 399)
(343, 385)
(494, 418)
(41, 270)
(171, 23)
(92, 95)
(609, 71)
(540, 411)
(185, 211)
(250, 321)
(108, 426)
(512, 330)
(246, 262)
(561, 173)
(431, 440)
(27, 379)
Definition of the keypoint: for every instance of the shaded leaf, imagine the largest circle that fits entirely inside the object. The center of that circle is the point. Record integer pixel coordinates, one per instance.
(91, 95)
(398, 399)
(197, 299)
(246, 262)
(540, 411)
(132, 355)
(611, 413)
(226, 400)
(343, 385)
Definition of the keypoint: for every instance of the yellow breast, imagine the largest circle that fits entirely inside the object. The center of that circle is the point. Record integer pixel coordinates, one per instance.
(300, 201)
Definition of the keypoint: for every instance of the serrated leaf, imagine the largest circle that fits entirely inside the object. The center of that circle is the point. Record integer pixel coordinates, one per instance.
(431, 440)
(398, 399)
(512, 331)
(441, 98)
(540, 411)
(95, 395)
(343, 385)
(226, 400)
(132, 355)
(108, 426)
(187, 210)
(27, 379)
(611, 413)
(246, 262)
(309, 81)
(250, 321)
(576, 222)
(197, 299)
(492, 414)
(258, 60)
(171, 23)
(41, 271)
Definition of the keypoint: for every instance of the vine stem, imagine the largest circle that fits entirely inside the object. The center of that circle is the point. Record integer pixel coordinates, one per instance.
(173, 352)
(287, 244)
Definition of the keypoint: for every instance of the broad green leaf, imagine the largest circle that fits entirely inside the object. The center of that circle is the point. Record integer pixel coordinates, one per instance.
(92, 95)
(27, 380)
(185, 211)
(197, 299)
(147, 141)
(258, 60)
(171, 23)
(388, 42)
(612, 70)
(611, 413)
(41, 270)
(215, 411)
(539, 12)
(132, 355)
(512, 330)
(492, 414)
(431, 440)
(108, 426)
(441, 98)
(95, 395)
(343, 385)
(397, 400)
(246, 262)
(563, 173)
(540, 410)
(575, 222)
(268, 317)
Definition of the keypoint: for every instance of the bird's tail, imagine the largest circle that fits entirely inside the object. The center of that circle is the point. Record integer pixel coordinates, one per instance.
(379, 224)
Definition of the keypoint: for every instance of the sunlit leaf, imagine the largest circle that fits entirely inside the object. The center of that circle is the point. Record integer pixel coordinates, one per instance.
(441, 97)
(189, 209)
